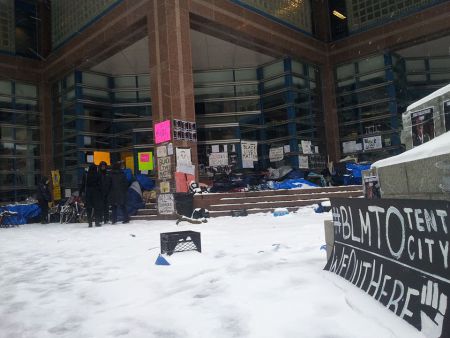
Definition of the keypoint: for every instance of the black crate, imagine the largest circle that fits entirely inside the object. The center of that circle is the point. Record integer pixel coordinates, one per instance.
(180, 241)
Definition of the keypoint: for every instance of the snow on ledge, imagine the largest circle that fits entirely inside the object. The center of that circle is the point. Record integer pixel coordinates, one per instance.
(433, 95)
(438, 146)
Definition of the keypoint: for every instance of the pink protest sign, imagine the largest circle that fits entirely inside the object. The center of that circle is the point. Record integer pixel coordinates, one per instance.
(145, 157)
(162, 131)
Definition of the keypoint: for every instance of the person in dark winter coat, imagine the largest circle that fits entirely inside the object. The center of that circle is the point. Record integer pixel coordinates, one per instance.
(43, 197)
(117, 193)
(105, 187)
(90, 190)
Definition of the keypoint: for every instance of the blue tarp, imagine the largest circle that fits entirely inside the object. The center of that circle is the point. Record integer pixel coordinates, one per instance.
(24, 213)
(355, 175)
(146, 182)
(293, 184)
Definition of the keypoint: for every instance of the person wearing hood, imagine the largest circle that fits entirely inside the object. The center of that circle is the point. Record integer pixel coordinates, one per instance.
(43, 197)
(118, 193)
(105, 187)
(90, 189)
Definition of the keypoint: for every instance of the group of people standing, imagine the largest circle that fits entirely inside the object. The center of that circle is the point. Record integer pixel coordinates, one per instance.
(101, 189)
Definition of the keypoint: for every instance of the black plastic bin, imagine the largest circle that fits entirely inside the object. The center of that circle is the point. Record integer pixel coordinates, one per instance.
(184, 203)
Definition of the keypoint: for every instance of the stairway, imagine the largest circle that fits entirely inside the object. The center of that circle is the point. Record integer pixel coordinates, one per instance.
(222, 204)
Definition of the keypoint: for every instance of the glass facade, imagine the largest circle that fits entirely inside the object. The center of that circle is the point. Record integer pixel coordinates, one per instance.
(69, 17)
(276, 104)
(362, 14)
(98, 112)
(7, 26)
(368, 106)
(294, 12)
(19, 140)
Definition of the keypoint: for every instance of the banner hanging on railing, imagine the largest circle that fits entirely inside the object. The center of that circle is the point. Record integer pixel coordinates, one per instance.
(397, 251)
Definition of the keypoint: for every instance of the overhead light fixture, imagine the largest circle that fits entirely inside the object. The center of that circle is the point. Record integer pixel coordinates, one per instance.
(339, 15)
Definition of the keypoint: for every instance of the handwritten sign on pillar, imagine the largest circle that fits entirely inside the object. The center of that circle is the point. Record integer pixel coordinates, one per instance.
(145, 160)
(162, 131)
(397, 251)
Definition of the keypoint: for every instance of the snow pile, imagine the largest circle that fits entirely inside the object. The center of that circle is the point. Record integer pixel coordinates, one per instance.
(438, 146)
(257, 277)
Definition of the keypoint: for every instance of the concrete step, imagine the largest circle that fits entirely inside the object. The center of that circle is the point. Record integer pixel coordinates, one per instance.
(249, 211)
(142, 212)
(281, 197)
(265, 205)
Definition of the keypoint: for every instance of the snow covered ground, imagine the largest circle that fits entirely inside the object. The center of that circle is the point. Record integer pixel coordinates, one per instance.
(258, 276)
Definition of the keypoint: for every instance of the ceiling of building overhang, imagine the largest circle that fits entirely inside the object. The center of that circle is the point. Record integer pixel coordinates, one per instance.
(437, 47)
(208, 52)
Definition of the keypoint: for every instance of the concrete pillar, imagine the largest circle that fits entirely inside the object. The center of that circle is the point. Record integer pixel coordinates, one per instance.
(330, 112)
(45, 104)
(172, 86)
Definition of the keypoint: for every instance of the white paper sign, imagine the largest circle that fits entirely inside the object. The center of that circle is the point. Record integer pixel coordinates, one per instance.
(349, 146)
(316, 149)
(164, 168)
(287, 148)
(161, 151)
(373, 142)
(186, 169)
(90, 159)
(218, 159)
(303, 162)
(276, 154)
(166, 204)
(249, 151)
(67, 193)
(183, 156)
(170, 149)
(358, 146)
(306, 147)
(144, 172)
(215, 148)
(247, 164)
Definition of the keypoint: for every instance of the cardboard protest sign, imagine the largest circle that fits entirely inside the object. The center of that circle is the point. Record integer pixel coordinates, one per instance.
(397, 251)
(164, 168)
(162, 132)
(276, 154)
(166, 204)
(218, 159)
(373, 142)
(249, 151)
(145, 160)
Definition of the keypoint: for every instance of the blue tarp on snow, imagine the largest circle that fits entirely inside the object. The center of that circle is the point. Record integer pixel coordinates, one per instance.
(293, 184)
(24, 213)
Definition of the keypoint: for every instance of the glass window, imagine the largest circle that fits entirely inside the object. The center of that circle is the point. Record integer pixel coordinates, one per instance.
(298, 67)
(144, 81)
(275, 84)
(26, 90)
(6, 133)
(245, 74)
(415, 65)
(214, 76)
(125, 82)
(345, 71)
(273, 69)
(5, 88)
(371, 64)
(440, 63)
(95, 80)
(125, 96)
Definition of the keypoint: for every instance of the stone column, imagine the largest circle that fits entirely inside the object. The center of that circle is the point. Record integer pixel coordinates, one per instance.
(330, 113)
(45, 105)
(172, 86)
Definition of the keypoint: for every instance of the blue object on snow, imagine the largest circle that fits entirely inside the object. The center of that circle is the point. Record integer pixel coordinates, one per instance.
(24, 213)
(323, 247)
(146, 182)
(355, 171)
(319, 209)
(280, 212)
(161, 261)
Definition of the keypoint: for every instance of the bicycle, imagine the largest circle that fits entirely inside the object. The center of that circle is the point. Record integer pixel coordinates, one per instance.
(4, 215)
(73, 211)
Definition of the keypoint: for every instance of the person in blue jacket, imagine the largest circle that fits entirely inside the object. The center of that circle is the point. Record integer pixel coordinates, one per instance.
(43, 197)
